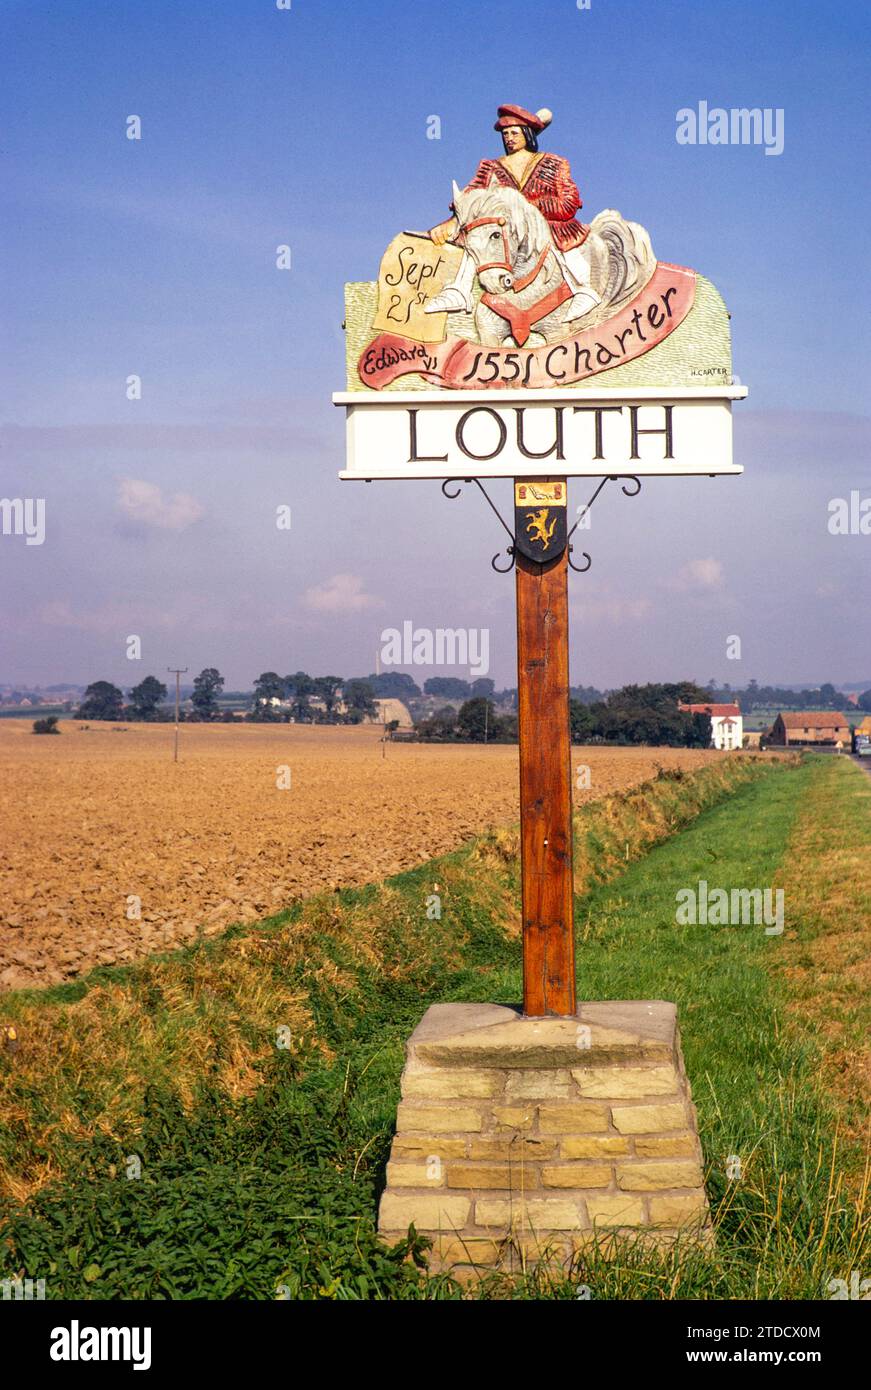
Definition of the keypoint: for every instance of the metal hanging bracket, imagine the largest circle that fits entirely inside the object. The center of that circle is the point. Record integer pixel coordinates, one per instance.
(511, 550)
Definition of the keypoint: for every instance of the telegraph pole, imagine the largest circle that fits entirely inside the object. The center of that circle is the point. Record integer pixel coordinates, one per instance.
(177, 672)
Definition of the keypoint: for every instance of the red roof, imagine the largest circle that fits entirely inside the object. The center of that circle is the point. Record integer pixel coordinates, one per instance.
(814, 719)
(717, 711)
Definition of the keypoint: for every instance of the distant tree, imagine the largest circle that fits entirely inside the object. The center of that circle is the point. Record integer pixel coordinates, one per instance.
(685, 692)
(300, 687)
(145, 697)
(645, 724)
(359, 699)
(477, 720)
(657, 697)
(207, 687)
(643, 714)
(440, 726)
(393, 685)
(269, 686)
(698, 735)
(586, 694)
(581, 721)
(328, 689)
(483, 686)
(47, 725)
(865, 700)
(777, 697)
(506, 729)
(103, 700)
(299, 681)
(447, 716)
(448, 687)
(266, 713)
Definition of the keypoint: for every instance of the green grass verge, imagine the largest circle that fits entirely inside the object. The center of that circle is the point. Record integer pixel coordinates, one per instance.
(259, 1167)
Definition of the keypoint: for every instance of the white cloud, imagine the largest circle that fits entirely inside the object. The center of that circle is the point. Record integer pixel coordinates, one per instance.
(146, 503)
(342, 593)
(698, 574)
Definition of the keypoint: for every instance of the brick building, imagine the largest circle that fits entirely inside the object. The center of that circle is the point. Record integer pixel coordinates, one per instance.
(810, 726)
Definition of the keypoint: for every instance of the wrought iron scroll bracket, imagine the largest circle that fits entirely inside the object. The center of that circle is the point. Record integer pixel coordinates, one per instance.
(510, 551)
(500, 569)
(611, 478)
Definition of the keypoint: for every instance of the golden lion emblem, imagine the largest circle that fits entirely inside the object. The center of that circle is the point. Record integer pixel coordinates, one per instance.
(537, 529)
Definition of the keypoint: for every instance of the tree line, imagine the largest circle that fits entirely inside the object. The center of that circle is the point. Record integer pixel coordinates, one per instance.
(634, 714)
(756, 696)
(476, 721)
(276, 698)
(147, 700)
(644, 714)
(357, 696)
(103, 700)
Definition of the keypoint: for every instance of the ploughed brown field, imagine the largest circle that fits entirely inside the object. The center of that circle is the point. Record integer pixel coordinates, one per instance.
(95, 818)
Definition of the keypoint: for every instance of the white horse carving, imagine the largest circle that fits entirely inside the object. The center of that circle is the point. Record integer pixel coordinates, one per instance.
(522, 272)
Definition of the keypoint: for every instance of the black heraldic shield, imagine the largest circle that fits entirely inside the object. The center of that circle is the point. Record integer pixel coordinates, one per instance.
(540, 520)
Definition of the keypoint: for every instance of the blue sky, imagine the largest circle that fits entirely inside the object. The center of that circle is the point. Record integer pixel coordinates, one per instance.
(308, 127)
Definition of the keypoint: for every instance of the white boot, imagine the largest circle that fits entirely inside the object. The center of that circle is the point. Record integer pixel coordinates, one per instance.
(576, 268)
(450, 301)
(582, 303)
(457, 297)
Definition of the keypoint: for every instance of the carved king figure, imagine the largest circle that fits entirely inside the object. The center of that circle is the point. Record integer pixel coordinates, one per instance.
(545, 180)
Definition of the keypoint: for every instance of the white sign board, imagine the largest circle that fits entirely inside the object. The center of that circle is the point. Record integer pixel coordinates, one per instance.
(645, 431)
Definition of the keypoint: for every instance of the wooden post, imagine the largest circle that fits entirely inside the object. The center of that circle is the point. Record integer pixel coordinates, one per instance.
(545, 787)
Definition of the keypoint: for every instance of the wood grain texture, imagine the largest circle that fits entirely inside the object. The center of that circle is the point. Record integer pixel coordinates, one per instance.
(545, 787)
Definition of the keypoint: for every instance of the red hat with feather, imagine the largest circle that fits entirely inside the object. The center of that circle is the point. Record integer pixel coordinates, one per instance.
(518, 115)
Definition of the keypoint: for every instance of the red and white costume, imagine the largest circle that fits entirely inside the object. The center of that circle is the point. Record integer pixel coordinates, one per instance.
(547, 183)
(549, 186)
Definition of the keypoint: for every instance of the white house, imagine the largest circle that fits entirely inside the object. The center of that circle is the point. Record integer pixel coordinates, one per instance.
(727, 724)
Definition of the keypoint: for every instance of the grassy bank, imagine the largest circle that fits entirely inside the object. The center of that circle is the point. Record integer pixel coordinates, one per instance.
(216, 1123)
(826, 964)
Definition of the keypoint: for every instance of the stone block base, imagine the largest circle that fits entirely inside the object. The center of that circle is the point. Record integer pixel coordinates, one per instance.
(520, 1140)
